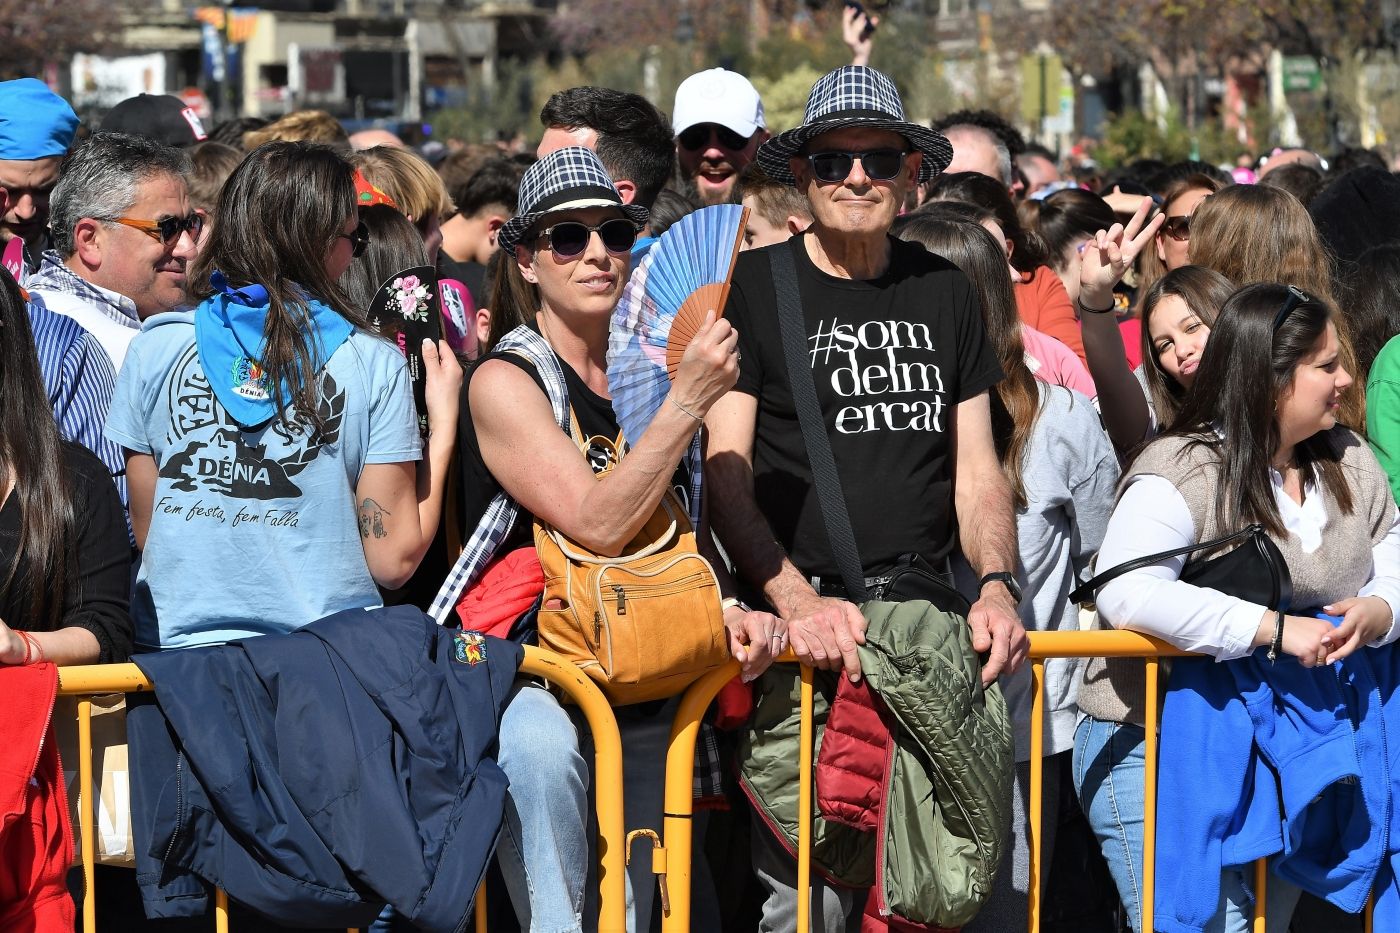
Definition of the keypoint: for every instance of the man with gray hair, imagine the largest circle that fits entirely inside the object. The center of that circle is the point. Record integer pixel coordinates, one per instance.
(983, 142)
(123, 231)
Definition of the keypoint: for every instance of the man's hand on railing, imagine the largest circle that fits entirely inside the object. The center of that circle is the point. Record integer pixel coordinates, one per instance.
(997, 629)
(825, 632)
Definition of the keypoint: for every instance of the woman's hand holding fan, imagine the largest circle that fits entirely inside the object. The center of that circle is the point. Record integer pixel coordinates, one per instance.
(682, 279)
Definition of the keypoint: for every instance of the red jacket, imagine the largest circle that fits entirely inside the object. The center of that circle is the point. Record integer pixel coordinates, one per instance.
(851, 770)
(36, 839)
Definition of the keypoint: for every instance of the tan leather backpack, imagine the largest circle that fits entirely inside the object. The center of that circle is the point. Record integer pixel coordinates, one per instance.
(645, 624)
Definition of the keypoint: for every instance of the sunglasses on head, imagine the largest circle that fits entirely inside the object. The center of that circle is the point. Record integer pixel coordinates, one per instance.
(1296, 296)
(878, 164)
(359, 239)
(698, 137)
(167, 229)
(570, 238)
(1178, 227)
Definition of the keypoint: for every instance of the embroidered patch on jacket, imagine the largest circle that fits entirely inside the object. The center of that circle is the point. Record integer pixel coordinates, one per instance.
(470, 648)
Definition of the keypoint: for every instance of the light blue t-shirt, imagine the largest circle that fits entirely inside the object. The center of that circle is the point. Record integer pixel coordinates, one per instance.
(253, 531)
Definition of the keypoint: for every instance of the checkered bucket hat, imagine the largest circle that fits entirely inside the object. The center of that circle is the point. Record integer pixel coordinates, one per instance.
(564, 180)
(854, 95)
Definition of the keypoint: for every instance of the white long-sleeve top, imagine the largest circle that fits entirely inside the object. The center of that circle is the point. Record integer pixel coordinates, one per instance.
(1152, 516)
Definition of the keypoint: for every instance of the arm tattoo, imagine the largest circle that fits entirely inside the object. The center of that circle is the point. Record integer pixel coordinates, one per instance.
(372, 516)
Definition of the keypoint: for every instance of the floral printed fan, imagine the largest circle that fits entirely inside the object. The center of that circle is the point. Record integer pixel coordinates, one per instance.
(683, 277)
(405, 310)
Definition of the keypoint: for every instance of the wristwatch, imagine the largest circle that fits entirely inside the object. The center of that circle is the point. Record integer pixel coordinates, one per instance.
(1005, 577)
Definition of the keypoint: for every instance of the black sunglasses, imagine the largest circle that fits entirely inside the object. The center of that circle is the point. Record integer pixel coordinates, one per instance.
(359, 239)
(879, 164)
(698, 137)
(570, 238)
(1178, 227)
(166, 229)
(1296, 296)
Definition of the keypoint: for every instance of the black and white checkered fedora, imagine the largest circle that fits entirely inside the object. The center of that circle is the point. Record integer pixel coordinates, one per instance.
(564, 180)
(854, 95)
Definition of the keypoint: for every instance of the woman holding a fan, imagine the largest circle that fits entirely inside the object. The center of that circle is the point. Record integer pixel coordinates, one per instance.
(570, 244)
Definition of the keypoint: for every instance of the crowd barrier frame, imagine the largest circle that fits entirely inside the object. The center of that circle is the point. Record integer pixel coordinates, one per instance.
(672, 854)
(1043, 646)
(87, 681)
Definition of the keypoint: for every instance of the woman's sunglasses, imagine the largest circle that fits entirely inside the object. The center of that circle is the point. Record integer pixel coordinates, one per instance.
(570, 238)
(699, 135)
(359, 239)
(835, 165)
(1296, 297)
(167, 229)
(1178, 228)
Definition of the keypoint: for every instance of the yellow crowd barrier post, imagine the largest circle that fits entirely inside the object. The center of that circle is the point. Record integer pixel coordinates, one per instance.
(1149, 796)
(678, 829)
(607, 779)
(1261, 896)
(86, 814)
(1036, 791)
(804, 807)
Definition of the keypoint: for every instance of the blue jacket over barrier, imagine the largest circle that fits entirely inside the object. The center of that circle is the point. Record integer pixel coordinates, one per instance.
(1260, 760)
(315, 776)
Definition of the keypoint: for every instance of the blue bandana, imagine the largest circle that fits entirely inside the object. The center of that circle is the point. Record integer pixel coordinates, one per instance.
(35, 123)
(228, 331)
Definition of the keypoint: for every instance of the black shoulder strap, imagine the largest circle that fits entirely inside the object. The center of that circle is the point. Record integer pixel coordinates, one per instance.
(1113, 573)
(809, 415)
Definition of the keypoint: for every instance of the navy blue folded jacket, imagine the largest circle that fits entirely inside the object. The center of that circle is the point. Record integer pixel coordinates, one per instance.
(318, 775)
(1295, 764)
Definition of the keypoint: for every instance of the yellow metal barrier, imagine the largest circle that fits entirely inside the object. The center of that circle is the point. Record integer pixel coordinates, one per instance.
(92, 680)
(1109, 644)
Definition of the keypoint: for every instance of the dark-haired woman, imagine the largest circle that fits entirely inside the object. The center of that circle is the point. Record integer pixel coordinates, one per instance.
(273, 448)
(1062, 470)
(65, 560)
(1257, 440)
(1041, 298)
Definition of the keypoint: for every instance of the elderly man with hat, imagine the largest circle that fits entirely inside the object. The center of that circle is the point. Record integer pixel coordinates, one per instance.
(718, 119)
(897, 368)
(36, 129)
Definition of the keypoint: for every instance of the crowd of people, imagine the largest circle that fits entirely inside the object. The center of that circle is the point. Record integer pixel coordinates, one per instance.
(1024, 376)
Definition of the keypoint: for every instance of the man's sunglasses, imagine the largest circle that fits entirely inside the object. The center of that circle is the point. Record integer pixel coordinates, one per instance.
(1178, 227)
(570, 238)
(698, 137)
(359, 239)
(167, 229)
(879, 164)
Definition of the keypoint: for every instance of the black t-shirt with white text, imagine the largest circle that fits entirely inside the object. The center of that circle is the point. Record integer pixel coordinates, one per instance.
(891, 358)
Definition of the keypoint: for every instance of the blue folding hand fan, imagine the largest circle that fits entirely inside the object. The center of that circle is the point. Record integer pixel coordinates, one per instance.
(684, 276)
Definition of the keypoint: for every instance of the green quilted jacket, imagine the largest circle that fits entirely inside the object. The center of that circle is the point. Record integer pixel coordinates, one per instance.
(948, 783)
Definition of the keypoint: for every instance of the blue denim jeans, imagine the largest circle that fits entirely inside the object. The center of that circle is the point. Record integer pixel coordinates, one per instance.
(544, 846)
(546, 852)
(1108, 776)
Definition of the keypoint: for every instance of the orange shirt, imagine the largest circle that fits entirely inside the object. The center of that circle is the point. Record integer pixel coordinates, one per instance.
(1043, 303)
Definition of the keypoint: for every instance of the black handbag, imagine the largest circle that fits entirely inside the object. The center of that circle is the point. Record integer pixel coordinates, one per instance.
(1255, 571)
(912, 576)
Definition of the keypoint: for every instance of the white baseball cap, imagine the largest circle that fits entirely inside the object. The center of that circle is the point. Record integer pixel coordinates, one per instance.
(718, 96)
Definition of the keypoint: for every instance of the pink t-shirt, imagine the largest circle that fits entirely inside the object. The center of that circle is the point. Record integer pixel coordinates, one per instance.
(1052, 362)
